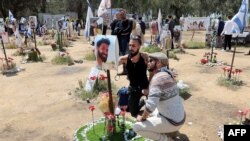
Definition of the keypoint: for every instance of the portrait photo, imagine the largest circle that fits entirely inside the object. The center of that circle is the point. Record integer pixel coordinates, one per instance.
(96, 26)
(32, 21)
(106, 51)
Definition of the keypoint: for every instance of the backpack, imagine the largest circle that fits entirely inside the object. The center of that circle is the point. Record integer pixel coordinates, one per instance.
(143, 27)
(123, 96)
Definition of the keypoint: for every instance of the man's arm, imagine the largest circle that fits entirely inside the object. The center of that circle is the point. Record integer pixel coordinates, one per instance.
(123, 60)
(153, 99)
(224, 28)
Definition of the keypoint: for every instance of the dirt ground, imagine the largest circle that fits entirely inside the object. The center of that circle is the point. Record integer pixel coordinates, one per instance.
(35, 105)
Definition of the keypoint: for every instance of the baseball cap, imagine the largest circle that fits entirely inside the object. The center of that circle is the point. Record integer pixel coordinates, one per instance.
(160, 56)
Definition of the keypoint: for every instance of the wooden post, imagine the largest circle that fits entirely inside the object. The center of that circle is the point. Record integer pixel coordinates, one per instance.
(111, 105)
(231, 68)
(5, 55)
(212, 52)
(168, 57)
(34, 37)
(61, 41)
(193, 35)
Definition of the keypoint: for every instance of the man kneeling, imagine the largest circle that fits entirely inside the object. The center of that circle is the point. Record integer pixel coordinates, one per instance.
(163, 96)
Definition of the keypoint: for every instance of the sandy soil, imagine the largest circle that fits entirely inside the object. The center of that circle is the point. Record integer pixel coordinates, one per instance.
(36, 104)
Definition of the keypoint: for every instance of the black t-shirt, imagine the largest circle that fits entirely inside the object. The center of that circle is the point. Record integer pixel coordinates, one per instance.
(143, 27)
(123, 27)
(137, 73)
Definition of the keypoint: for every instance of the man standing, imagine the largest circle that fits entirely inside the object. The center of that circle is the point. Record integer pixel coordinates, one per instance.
(228, 31)
(163, 96)
(123, 30)
(143, 29)
(114, 22)
(219, 30)
(171, 26)
(136, 65)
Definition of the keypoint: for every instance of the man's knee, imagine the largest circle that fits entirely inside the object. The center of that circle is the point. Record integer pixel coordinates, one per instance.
(137, 127)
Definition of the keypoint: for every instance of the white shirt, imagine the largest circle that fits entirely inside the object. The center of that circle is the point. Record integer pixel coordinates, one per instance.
(228, 28)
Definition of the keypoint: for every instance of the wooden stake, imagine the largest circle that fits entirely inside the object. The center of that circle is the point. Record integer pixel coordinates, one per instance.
(6, 59)
(231, 68)
(111, 105)
(34, 36)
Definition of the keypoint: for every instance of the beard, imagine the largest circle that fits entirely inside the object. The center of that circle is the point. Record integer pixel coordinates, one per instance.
(152, 68)
(103, 57)
(132, 54)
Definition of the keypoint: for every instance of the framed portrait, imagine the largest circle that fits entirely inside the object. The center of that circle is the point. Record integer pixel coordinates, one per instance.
(106, 51)
(96, 26)
(60, 25)
(32, 21)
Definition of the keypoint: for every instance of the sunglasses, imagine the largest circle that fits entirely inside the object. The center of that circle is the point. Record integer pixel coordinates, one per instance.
(151, 60)
(136, 37)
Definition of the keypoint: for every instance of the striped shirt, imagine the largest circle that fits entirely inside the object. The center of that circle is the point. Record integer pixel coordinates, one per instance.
(164, 95)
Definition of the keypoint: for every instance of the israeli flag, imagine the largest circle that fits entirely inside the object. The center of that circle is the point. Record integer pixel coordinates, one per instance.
(240, 19)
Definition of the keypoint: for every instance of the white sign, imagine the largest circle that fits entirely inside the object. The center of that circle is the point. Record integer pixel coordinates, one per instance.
(90, 83)
(196, 23)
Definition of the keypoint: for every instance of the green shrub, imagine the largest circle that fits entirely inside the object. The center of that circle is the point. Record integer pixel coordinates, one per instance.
(232, 84)
(151, 49)
(34, 57)
(194, 45)
(11, 45)
(90, 56)
(172, 55)
(62, 60)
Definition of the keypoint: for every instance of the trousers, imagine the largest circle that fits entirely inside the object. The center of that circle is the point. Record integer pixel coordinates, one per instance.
(155, 128)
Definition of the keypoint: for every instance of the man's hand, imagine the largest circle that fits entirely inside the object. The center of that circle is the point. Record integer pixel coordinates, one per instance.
(145, 92)
(139, 119)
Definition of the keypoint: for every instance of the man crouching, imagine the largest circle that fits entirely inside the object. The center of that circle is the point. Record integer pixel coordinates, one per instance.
(163, 96)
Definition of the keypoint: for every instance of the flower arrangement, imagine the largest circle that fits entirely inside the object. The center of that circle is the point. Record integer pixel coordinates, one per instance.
(209, 58)
(235, 73)
(233, 82)
(84, 133)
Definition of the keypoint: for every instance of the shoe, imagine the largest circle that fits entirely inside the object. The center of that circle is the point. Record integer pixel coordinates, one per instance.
(223, 50)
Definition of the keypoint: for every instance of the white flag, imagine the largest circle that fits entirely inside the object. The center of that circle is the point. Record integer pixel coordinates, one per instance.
(240, 19)
(159, 21)
(103, 7)
(87, 25)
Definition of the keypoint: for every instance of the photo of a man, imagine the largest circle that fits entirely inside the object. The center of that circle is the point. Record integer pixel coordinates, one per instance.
(32, 21)
(102, 47)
